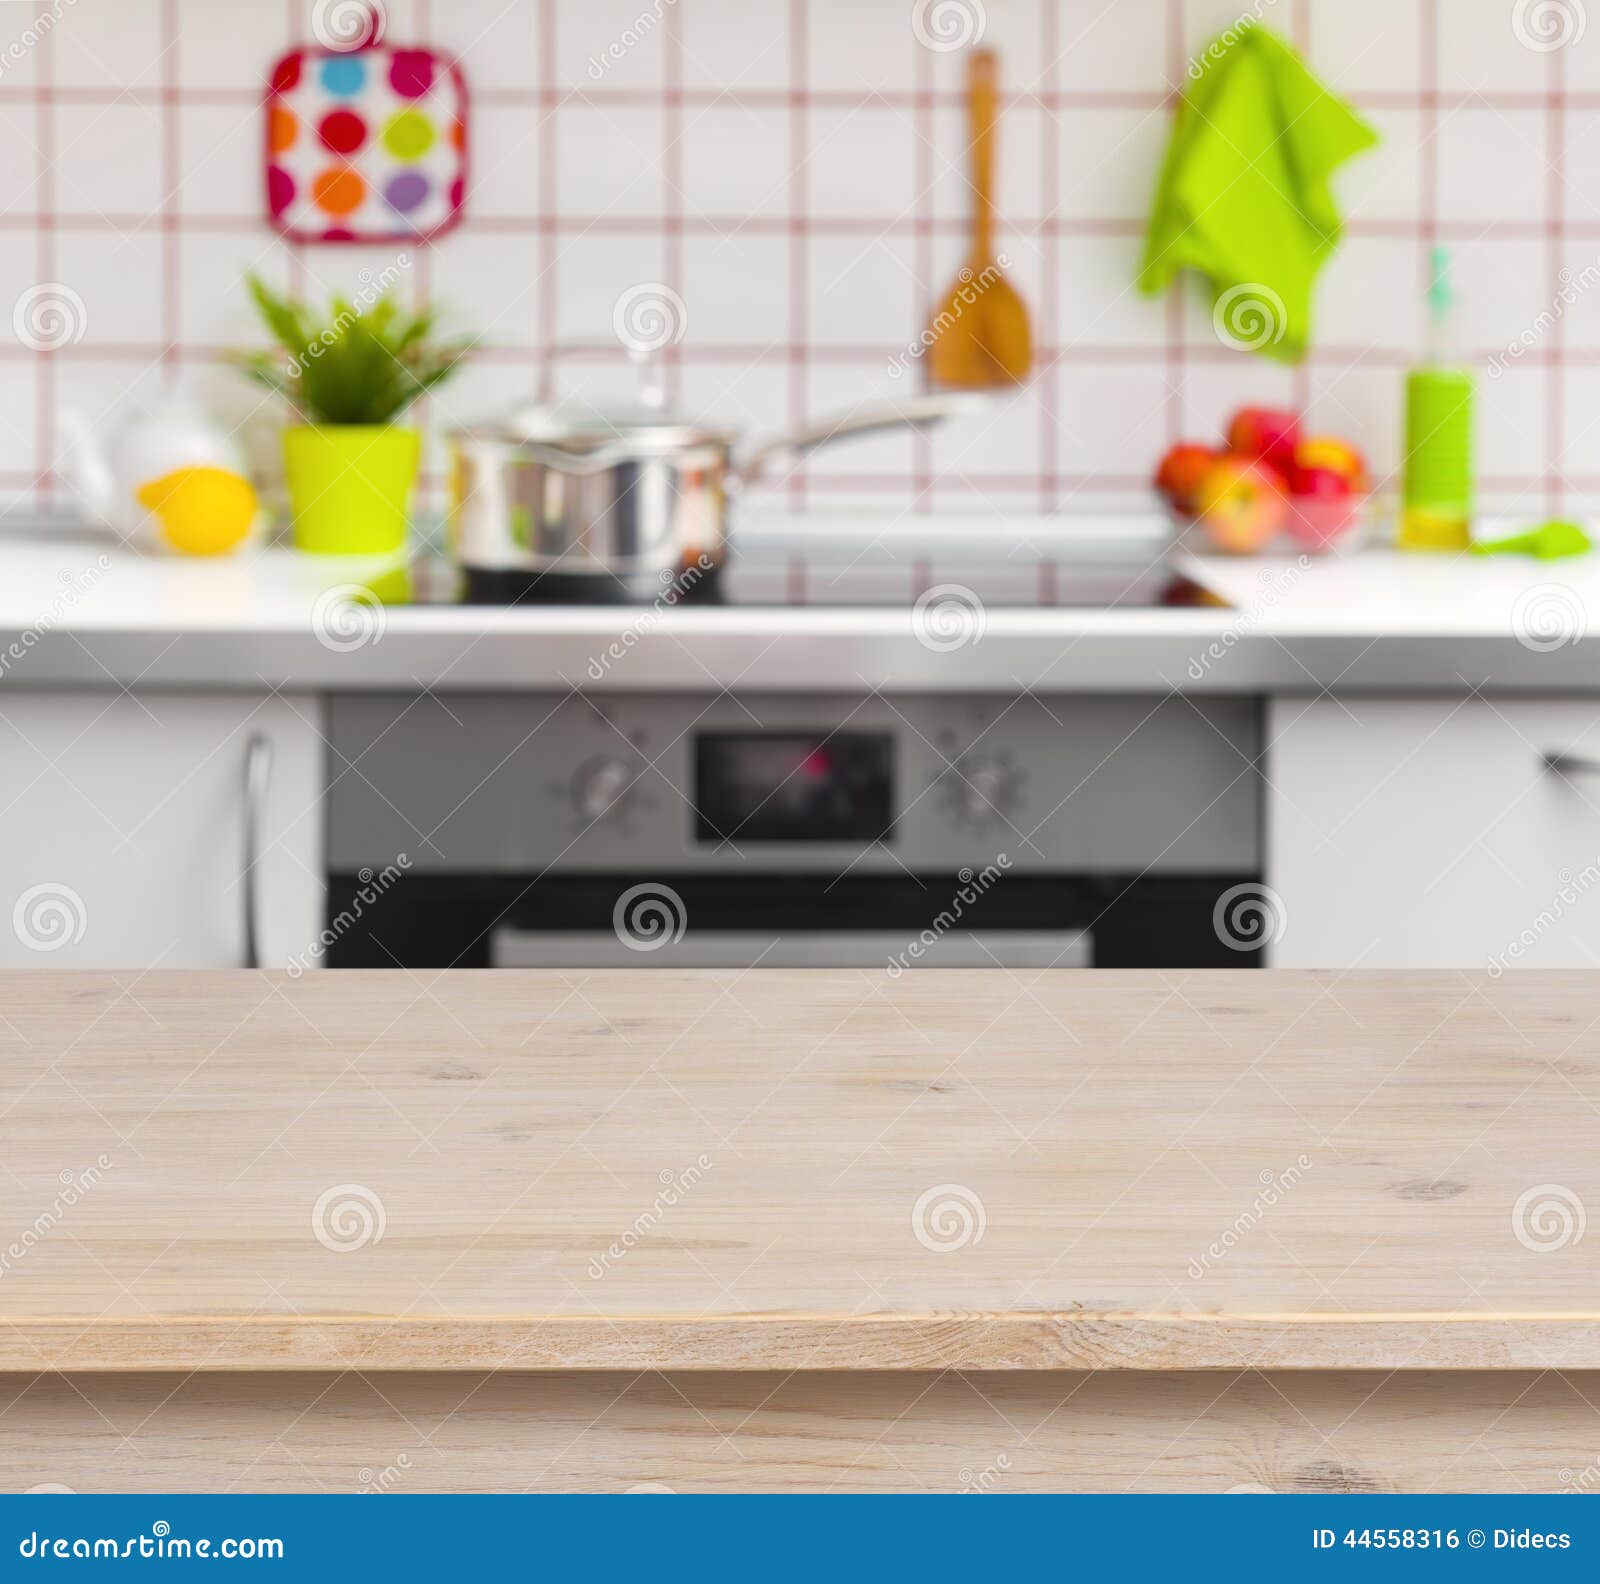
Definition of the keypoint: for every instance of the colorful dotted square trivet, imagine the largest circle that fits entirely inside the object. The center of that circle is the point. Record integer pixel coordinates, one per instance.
(366, 145)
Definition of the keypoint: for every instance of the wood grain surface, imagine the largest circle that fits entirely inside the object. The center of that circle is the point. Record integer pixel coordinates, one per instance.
(768, 1170)
(1006, 1433)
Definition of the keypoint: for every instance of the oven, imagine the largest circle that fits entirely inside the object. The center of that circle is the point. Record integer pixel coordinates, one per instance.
(879, 831)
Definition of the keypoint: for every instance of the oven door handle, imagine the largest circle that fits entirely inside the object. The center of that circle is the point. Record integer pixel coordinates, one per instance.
(892, 950)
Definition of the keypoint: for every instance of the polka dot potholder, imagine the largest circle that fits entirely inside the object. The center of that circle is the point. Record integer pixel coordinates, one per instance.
(366, 145)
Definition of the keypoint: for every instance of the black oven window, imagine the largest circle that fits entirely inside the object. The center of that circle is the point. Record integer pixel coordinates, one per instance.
(794, 786)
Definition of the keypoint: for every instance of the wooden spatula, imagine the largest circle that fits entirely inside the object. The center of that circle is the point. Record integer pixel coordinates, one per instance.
(980, 330)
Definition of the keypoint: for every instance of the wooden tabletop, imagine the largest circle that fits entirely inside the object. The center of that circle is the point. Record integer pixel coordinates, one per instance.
(823, 1170)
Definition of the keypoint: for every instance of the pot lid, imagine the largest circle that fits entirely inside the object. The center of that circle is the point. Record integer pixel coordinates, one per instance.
(581, 424)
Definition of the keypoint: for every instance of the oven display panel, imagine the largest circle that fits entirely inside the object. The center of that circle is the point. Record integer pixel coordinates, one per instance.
(814, 786)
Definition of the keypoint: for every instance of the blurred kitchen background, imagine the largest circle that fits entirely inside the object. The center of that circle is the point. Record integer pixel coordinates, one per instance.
(796, 171)
(1169, 647)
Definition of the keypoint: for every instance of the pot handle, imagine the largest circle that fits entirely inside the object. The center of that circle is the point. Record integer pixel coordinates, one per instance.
(917, 412)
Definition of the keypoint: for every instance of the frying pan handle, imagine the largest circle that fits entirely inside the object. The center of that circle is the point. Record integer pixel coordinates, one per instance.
(917, 412)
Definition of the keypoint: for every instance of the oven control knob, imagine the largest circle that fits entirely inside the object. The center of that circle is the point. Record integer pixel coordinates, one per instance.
(984, 788)
(600, 787)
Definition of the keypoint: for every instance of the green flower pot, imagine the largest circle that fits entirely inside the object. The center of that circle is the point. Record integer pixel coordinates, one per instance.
(350, 486)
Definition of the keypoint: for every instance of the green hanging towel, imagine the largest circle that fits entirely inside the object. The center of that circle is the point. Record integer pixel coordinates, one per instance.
(1244, 195)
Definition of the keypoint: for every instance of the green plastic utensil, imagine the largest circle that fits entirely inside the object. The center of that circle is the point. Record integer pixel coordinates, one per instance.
(1549, 541)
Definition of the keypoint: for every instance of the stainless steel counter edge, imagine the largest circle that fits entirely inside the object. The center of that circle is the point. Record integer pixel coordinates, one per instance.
(1189, 652)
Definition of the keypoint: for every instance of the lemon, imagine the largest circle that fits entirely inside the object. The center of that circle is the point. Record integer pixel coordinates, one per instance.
(202, 510)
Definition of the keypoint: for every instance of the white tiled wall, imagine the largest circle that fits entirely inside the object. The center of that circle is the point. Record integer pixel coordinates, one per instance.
(794, 169)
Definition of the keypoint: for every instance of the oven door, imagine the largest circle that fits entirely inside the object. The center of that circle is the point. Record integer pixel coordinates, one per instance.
(756, 948)
(686, 920)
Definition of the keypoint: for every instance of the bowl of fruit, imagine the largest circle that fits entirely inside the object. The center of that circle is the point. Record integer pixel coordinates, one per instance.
(1268, 487)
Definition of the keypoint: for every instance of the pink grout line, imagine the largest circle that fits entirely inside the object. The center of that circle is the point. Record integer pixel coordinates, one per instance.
(672, 247)
(1174, 352)
(170, 214)
(851, 356)
(424, 289)
(922, 65)
(822, 98)
(297, 254)
(799, 247)
(533, 224)
(1428, 165)
(1051, 316)
(547, 184)
(1555, 370)
(45, 256)
(1300, 380)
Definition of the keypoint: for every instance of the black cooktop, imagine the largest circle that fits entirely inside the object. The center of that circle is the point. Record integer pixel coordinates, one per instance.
(1044, 585)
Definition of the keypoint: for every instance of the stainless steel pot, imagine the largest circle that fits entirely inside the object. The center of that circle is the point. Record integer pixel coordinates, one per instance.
(554, 504)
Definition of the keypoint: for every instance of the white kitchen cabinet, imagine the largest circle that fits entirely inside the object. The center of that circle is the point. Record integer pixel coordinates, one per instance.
(1432, 833)
(123, 828)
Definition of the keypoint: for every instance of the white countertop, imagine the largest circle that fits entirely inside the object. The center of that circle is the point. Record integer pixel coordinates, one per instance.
(80, 610)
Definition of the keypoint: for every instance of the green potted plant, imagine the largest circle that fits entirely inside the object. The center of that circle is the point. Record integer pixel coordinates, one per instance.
(350, 375)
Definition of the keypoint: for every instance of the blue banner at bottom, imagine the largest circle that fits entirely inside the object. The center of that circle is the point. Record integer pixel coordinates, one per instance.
(708, 1538)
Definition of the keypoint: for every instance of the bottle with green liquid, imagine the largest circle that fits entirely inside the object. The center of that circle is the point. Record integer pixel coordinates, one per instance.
(1436, 493)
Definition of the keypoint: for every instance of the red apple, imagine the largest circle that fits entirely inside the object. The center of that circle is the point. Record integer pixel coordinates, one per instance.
(1181, 470)
(1270, 433)
(1242, 503)
(1320, 483)
(1327, 451)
